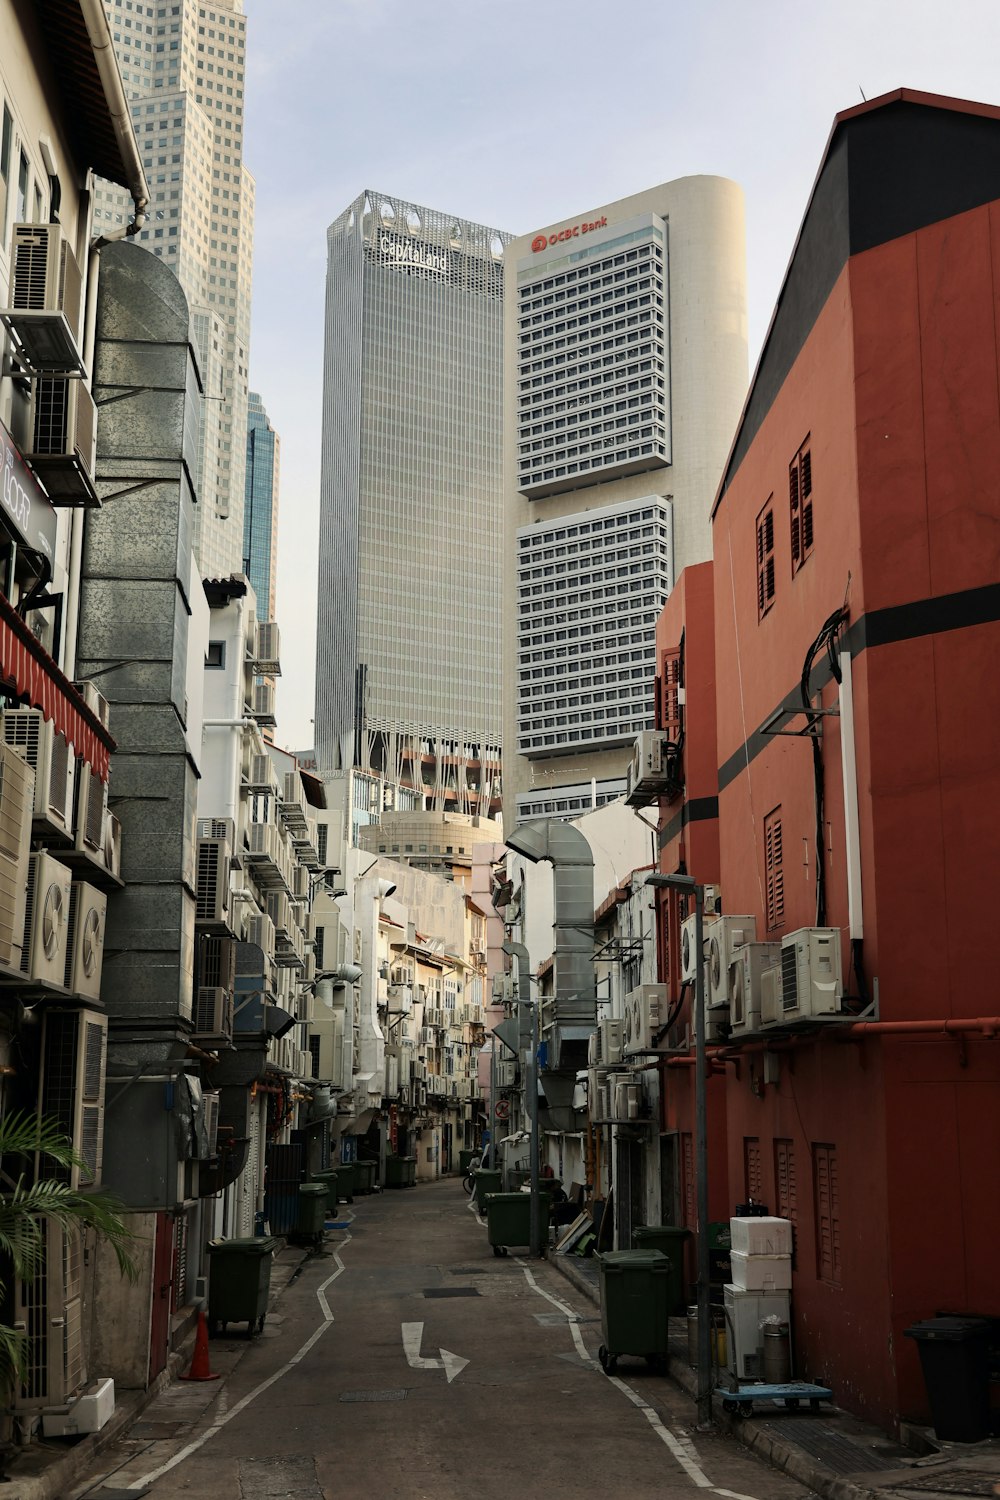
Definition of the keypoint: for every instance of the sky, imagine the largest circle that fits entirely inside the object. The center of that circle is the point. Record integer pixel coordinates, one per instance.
(519, 113)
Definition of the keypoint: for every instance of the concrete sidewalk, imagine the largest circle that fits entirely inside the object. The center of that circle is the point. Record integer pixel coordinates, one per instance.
(836, 1455)
(48, 1468)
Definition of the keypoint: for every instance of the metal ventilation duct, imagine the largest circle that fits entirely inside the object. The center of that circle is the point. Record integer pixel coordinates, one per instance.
(573, 939)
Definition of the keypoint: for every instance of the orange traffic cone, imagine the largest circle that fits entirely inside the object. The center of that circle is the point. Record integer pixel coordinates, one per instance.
(199, 1362)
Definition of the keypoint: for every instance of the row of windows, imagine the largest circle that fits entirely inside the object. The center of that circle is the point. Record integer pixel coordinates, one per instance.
(624, 729)
(657, 452)
(643, 342)
(617, 314)
(543, 537)
(589, 270)
(800, 527)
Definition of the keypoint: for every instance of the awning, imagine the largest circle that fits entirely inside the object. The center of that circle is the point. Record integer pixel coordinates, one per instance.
(28, 671)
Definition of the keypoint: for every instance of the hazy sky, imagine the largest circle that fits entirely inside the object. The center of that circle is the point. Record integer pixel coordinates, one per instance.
(517, 113)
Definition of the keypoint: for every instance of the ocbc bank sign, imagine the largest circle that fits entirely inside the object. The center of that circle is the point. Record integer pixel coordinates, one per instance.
(543, 241)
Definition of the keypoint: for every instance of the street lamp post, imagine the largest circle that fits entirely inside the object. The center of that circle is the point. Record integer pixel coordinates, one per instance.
(690, 887)
(520, 952)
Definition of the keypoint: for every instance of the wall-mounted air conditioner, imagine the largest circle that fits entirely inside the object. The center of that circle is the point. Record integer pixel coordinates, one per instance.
(751, 964)
(610, 1040)
(503, 989)
(44, 301)
(91, 811)
(213, 858)
(260, 930)
(689, 959)
(212, 1015)
(210, 1116)
(267, 648)
(112, 858)
(46, 913)
(650, 771)
(17, 792)
(263, 704)
(725, 935)
(279, 909)
(95, 701)
(263, 842)
(74, 1045)
(85, 940)
(811, 981)
(62, 427)
(643, 1010)
(300, 882)
(627, 1099)
(48, 755)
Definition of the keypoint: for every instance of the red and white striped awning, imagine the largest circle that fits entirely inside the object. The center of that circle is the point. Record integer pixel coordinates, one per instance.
(28, 670)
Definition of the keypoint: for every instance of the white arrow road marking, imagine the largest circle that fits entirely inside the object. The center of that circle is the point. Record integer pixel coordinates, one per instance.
(451, 1364)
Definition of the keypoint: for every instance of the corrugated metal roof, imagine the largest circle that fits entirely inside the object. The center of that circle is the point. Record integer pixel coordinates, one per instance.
(88, 117)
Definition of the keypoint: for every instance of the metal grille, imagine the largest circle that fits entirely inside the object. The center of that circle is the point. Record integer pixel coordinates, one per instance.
(210, 855)
(31, 264)
(178, 1283)
(52, 415)
(34, 1313)
(62, 1030)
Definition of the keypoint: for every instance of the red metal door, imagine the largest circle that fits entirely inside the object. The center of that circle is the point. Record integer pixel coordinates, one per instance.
(163, 1276)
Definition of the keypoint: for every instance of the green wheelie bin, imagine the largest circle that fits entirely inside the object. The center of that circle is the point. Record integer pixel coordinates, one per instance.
(328, 1177)
(670, 1239)
(364, 1176)
(635, 1291)
(346, 1181)
(312, 1212)
(508, 1220)
(239, 1282)
(487, 1180)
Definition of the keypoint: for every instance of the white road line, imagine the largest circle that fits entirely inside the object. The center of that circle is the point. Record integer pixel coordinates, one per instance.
(680, 1446)
(222, 1419)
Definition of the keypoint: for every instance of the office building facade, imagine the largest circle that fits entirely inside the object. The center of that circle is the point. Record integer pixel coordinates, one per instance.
(408, 635)
(183, 66)
(260, 506)
(625, 365)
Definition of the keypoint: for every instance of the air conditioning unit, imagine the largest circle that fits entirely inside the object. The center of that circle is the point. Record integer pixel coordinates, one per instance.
(44, 300)
(643, 1013)
(610, 1040)
(62, 423)
(85, 940)
(95, 701)
(503, 989)
(267, 650)
(262, 774)
(213, 855)
(17, 791)
(210, 1115)
(48, 755)
(212, 1016)
(263, 704)
(627, 1099)
(811, 981)
(300, 882)
(279, 909)
(74, 1046)
(260, 930)
(725, 935)
(46, 913)
(264, 841)
(50, 1307)
(91, 811)
(689, 959)
(651, 771)
(113, 846)
(746, 985)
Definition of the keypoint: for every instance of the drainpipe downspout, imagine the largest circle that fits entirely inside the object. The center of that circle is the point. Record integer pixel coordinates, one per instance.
(102, 47)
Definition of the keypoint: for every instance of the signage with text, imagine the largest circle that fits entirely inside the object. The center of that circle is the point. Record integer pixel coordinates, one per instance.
(543, 241)
(27, 510)
(412, 253)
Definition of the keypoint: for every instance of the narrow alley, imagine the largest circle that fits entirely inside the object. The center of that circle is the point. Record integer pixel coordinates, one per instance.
(408, 1361)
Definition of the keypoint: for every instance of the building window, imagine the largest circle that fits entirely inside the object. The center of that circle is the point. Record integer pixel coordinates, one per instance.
(800, 506)
(765, 559)
(774, 875)
(827, 1209)
(753, 1177)
(6, 140)
(215, 656)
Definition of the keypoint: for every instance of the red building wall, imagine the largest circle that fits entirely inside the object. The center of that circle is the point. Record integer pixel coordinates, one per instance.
(895, 388)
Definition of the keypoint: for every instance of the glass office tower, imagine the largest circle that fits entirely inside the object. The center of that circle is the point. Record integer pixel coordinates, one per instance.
(260, 506)
(408, 642)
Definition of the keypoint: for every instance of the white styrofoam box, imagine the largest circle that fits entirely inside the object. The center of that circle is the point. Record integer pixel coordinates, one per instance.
(761, 1236)
(745, 1311)
(87, 1413)
(761, 1273)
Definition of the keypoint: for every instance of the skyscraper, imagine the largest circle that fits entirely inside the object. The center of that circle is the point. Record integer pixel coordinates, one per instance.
(260, 506)
(183, 68)
(625, 365)
(408, 642)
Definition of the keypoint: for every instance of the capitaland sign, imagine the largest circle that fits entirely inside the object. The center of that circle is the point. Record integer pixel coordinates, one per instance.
(412, 253)
(27, 510)
(543, 241)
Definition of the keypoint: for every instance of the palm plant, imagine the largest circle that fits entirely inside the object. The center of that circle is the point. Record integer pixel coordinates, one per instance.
(26, 1208)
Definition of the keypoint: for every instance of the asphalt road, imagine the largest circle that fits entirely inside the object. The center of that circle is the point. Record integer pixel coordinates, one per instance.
(408, 1363)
